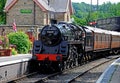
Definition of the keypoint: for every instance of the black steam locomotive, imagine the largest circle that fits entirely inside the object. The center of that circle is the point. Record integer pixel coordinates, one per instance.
(65, 45)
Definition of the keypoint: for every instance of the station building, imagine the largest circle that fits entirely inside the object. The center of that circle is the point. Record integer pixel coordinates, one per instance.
(37, 12)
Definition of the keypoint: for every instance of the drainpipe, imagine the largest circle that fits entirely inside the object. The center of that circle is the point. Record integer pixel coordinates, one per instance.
(34, 12)
(48, 12)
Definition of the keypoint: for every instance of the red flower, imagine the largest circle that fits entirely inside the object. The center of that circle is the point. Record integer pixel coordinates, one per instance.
(0, 41)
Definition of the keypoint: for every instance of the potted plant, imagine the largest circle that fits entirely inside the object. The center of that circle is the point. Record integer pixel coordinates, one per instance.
(4, 46)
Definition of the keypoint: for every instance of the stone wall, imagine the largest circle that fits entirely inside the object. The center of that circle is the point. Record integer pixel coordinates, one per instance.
(24, 28)
(62, 17)
(40, 16)
(26, 12)
(17, 12)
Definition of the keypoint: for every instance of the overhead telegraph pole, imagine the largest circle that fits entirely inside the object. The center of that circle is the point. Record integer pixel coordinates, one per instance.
(91, 6)
(97, 5)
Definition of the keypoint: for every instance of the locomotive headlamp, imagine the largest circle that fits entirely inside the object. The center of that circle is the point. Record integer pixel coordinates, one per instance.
(58, 58)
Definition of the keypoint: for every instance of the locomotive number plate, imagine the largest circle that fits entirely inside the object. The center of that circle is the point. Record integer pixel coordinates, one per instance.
(50, 31)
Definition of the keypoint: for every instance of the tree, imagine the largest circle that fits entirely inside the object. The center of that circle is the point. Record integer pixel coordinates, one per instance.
(83, 13)
(2, 14)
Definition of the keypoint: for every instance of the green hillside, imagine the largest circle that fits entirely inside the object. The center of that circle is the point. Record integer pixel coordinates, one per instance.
(85, 13)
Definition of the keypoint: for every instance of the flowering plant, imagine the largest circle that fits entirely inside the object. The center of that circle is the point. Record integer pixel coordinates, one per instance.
(4, 42)
(1, 40)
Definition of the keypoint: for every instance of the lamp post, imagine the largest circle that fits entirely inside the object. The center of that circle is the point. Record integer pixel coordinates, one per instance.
(90, 13)
(32, 29)
(48, 11)
(31, 34)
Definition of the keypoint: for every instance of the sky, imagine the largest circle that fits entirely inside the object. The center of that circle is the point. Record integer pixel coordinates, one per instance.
(94, 2)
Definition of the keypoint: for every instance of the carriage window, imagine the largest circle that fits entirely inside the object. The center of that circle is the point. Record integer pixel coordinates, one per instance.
(96, 38)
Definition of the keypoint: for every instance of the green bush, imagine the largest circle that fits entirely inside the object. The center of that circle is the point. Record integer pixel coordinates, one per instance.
(14, 52)
(21, 40)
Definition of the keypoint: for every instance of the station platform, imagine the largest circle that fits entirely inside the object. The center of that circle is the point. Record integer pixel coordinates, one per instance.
(6, 60)
(111, 74)
(13, 67)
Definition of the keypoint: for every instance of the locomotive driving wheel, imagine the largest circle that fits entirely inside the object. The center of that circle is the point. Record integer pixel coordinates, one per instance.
(75, 53)
(80, 58)
(60, 67)
(115, 52)
(73, 57)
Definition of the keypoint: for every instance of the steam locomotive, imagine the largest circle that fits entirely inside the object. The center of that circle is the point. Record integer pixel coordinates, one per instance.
(65, 45)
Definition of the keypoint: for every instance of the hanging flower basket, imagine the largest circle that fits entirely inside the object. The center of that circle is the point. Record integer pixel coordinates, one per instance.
(5, 52)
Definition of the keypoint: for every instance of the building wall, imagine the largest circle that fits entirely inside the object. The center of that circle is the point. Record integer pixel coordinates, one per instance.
(59, 17)
(40, 16)
(67, 16)
(26, 12)
(21, 17)
(63, 17)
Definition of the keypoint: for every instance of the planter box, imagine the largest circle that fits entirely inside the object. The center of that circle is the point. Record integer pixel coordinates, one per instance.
(5, 52)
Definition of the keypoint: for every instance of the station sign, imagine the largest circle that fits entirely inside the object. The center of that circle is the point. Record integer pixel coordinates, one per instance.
(26, 11)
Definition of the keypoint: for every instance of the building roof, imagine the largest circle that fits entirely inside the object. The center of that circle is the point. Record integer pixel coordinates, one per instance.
(9, 4)
(47, 5)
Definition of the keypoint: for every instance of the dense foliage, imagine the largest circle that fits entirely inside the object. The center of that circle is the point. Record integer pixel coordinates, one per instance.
(85, 13)
(2, 13)
(21, 40)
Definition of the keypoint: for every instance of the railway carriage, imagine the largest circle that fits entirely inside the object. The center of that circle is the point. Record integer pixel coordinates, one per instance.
(65, 45)
(115, 42)
(101, 39)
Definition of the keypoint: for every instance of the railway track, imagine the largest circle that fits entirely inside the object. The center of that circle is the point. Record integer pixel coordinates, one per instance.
(67, 76)
(35, 77)
(79, 76)
(70, 75)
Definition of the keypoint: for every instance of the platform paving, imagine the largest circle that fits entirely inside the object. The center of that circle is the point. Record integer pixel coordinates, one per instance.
(111, 74)
(116, 75)
(14, 59)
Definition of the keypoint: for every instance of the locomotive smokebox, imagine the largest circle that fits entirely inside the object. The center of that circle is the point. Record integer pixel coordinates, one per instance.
(50, 35)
